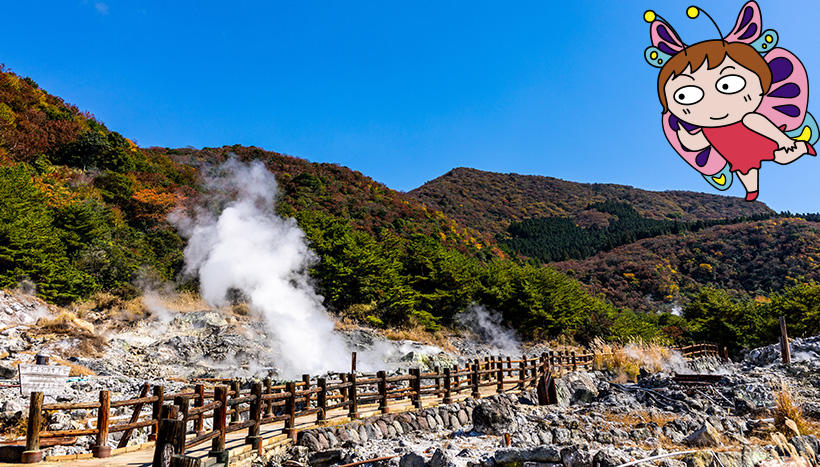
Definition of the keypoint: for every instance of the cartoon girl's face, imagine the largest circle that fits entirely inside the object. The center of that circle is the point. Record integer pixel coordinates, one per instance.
(712, 98)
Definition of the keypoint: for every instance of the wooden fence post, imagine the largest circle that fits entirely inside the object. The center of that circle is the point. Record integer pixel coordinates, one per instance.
(522, 371)
(290, 410)
(182, 403)
(199, 401)
(353, 413)
(343, 379)
(415, 384)
(256, 416)
(33, 454)
(448, 397)
(509, 367)
(476, 379)
(542, 362)
(321, 400)
(235, 388)
(454, 371)
(535, 368)
(486, 367)
(785, 351)
(167, 435)
(220, 422)
(438, 380)
(308, 396)
(552, 363)
(382, 375)
(159, 393)
(101, 448)
(268, 390)
(499, 367)
(574, 362)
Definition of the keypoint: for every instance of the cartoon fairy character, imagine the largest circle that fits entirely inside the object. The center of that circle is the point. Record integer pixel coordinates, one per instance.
(730, 104)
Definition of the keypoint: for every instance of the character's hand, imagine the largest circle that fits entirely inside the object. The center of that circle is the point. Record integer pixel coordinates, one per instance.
(787, 144)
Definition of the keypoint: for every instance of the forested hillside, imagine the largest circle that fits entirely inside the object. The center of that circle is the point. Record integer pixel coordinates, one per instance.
(549, 239)
(489, 201)
(747, 258)
(84, 210)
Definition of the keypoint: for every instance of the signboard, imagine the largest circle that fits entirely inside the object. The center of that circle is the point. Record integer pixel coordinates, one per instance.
(48, 379)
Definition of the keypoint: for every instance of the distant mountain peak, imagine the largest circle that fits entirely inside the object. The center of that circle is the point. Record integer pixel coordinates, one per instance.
(490, 201)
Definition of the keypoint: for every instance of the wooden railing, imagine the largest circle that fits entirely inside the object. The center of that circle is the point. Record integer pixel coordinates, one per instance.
(179, 419)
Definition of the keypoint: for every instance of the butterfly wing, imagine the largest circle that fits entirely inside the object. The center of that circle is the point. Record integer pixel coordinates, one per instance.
(664, 38)
(708, 162)
(788, 97)
(749, 24)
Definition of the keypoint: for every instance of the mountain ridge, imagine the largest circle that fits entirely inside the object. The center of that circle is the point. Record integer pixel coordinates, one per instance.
(510, 197)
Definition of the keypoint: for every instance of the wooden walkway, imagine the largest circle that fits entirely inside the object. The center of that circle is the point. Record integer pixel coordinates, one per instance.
(240, 453)
(261, 417)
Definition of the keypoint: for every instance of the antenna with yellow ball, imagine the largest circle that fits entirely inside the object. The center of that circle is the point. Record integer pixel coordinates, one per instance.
(693, 12)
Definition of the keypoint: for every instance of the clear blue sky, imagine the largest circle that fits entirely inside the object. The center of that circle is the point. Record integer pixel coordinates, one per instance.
(401, 91)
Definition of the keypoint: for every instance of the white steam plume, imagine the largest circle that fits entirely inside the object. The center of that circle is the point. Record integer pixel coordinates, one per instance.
(488, 327)
(240, 243)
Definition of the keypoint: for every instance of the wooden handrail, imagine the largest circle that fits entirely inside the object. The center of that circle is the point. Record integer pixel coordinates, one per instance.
(266, 403)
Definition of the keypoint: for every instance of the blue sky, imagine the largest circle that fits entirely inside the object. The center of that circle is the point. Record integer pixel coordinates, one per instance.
(401, 91)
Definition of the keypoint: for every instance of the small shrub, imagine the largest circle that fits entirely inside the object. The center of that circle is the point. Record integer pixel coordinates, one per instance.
(787, 408)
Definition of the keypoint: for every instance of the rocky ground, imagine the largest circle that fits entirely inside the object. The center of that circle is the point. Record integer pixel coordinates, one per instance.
(733, 422)
(597, 422)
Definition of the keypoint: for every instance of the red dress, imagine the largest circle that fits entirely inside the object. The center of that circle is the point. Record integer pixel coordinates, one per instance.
(743, 148)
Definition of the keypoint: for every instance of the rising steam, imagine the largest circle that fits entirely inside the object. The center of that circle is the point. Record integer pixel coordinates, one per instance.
(238, 242)
(488, 327)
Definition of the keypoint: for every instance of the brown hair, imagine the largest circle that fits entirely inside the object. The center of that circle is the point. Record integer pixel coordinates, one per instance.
(714, 52)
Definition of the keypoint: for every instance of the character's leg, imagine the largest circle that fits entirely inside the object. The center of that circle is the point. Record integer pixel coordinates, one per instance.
(781, 156)
(749, 181)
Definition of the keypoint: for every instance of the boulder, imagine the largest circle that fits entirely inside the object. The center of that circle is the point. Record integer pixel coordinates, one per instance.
(494, 418)
(411, 459)
(327, 457)
(573, 456)
(440, 459)
(310, 441)
(581, 386)
(514, 456)
(610, 457)
(704, 437)
(7, 371)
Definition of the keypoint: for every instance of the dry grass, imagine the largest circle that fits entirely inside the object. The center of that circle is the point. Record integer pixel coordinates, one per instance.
(66, 322)
(626, 360)
(788, 409)
(791, 457)
(76, 369)
(639, 416)
(346, 324)
(420, 334)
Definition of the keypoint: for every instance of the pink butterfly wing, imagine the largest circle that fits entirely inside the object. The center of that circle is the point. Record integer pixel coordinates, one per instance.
(788, 97)
(707, 162)
(749, 24)
(664, 38)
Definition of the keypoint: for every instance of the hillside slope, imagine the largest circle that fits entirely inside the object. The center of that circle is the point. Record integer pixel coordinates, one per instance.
(745, 259)
(489, 201)
(84, 212)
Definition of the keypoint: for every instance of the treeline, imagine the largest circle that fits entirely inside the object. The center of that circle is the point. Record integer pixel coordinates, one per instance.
(551, 239)
(389, 280)
(750, 322)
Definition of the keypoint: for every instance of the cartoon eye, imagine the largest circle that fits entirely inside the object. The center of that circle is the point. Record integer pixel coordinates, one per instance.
(730, 84)
(688, 95)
